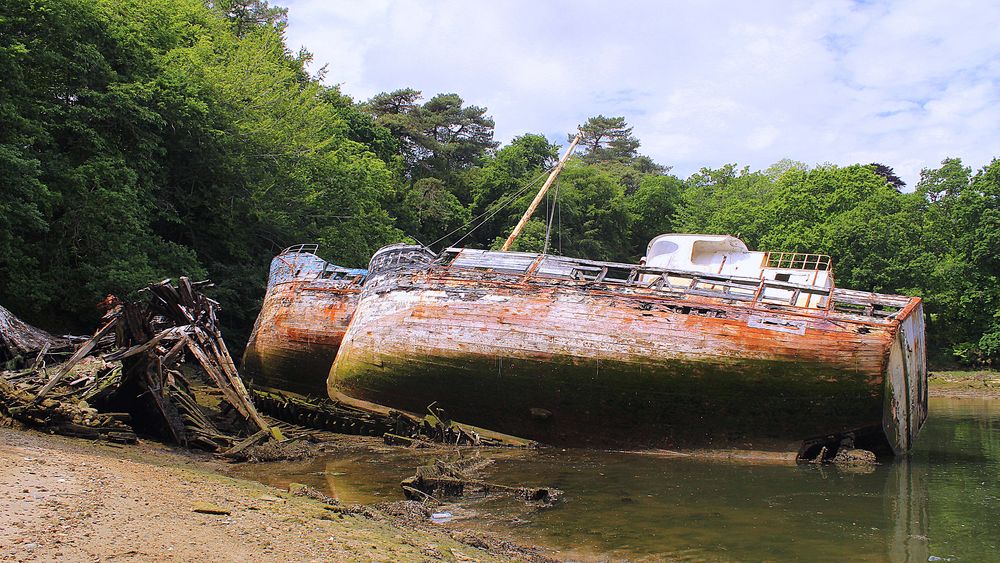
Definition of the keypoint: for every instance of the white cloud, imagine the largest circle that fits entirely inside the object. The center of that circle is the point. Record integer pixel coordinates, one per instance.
(905, 83)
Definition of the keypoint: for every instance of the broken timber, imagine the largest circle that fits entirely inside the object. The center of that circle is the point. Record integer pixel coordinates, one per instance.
(141, 347)
(397, 428)
(459, 479)
(20, 341)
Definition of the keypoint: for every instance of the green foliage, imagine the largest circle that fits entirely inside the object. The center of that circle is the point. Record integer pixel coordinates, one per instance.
(362, 128)
(889, 175)
(607, 139)
(653, 208)
(81, 158)
(521, 166)
(961, 224)
(152, 138)
(249, 15)
(593, 218)
(430, 210)
(531, 239)
(437, 138)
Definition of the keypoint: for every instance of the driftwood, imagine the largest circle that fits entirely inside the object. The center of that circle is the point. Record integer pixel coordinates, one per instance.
(459, 479)
(21, 342)
(141, 349)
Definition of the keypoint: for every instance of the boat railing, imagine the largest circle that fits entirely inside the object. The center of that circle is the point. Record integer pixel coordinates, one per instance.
(290, 263)
(301, 249)
(797, 261)
(300, 262)
(700, 283)
(756, 292)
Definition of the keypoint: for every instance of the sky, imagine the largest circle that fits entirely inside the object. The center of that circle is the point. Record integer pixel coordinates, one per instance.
(903, 83)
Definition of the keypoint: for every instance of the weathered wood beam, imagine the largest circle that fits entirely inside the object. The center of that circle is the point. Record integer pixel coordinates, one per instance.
(79, 355)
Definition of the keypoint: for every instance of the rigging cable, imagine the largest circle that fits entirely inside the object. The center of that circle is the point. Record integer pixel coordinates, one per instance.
(510, 199)
(559, 228)
(548, 228)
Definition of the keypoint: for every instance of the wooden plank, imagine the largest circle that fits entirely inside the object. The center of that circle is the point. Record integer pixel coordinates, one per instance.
(75, 358)
(233, 385)
(140, 348)
(217, 377)
(40, 358)
(172, 355)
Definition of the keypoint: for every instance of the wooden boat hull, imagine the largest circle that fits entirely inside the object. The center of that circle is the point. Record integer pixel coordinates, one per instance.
(297, 335)
(576, 363)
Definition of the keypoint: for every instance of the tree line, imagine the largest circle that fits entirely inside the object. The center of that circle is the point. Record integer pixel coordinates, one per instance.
(144, 139)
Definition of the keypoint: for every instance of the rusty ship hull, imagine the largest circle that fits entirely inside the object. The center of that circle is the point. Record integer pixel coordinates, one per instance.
(579, 362)
(304, 316)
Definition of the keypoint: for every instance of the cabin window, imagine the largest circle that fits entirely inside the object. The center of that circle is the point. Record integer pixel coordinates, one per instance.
(783, 277)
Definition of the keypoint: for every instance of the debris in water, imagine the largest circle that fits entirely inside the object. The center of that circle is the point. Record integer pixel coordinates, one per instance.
(397, 428)
(851, 456)
(441, 517)
(458, 479)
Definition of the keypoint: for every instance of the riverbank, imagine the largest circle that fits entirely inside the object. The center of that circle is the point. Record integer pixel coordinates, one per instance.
(75, 500)
(964, 384)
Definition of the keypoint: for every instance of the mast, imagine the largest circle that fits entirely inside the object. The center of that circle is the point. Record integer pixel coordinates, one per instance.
(541, 193)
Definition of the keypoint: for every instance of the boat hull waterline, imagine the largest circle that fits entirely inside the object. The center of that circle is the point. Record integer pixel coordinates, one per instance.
(578, 364)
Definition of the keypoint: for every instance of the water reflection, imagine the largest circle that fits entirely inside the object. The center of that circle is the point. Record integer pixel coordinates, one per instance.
(628, 506)
(942, 501)
(907, 509)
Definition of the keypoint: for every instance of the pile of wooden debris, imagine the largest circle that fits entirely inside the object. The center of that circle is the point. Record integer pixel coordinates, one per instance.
(141, 369)
(67, 408)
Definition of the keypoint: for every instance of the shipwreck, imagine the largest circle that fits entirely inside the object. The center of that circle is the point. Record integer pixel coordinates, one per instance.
(703, 344)
(306, 310)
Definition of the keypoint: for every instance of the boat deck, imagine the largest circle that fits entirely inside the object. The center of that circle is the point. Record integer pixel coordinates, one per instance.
(767, 294)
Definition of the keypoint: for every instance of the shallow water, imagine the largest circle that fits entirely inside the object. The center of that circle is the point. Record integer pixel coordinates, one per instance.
(943, 501)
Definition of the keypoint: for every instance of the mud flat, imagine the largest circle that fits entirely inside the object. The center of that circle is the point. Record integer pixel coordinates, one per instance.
(74, 500)
(964, 384)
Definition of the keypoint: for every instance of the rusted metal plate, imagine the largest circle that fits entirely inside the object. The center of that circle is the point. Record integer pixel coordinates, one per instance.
(906, 381)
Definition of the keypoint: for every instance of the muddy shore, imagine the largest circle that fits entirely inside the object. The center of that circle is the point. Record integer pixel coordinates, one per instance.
(964, 384)
(74, 500)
